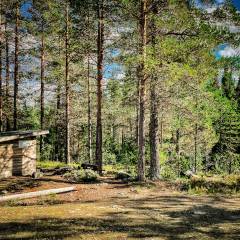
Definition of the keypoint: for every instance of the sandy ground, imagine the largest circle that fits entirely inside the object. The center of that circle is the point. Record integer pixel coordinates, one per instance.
(113, 210)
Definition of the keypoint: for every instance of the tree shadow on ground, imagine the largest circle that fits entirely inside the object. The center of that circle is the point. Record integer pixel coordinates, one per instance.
(138, 219)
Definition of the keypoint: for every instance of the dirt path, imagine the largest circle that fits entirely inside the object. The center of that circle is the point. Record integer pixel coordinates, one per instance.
(111, 210)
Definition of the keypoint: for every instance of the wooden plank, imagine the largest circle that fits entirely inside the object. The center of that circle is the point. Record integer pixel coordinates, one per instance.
(37, 194)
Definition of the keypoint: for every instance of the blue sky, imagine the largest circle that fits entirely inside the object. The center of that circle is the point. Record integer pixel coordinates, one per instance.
(218, 2)
(219, 50)
(27, 5)
(24, 9)
(236, 3)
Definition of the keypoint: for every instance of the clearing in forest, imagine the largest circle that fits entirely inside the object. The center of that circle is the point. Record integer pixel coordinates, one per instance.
(113, 210)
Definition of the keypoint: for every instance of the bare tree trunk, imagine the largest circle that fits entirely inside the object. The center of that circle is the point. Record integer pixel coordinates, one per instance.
(195, 147)
(16, 68)
(178, 151)
(137, 113)
(67, 107)
(123, 138)
(1, 68)
(230, 166)
(89, 98)
(89, 115)
(58, 106)
(57, 140)
(153, 134)
(42, 86)
(161, 133)
(153, 131)
(142, 90)
(7, 75)
(100, 43)
(237, 96)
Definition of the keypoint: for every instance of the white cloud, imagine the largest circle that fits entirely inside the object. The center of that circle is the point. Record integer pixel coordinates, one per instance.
(210, 9)
(229, 52)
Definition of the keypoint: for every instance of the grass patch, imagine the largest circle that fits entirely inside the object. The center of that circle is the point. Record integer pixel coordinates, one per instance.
(50, 164)
(215, 184)
(54, 164)
(114, 169)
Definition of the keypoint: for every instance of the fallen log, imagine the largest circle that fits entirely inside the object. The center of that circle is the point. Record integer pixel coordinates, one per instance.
(36, 194)
(90, 166)
(63, 170)
(56, 171)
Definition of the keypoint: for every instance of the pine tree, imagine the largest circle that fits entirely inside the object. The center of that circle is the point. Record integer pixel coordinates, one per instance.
(16, 65)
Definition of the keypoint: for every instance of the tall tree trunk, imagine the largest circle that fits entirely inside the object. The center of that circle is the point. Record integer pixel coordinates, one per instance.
(153, 134)
(237, 94)
(1, 67)
(89, 114)
(137, 112)
(177, 149)
(100, 43)
(67, 107)
(57, 139)
(195, 147)
(42, 86)
(57, 142)
(153, 131)
(142, 90)
(7, 75)
(230, 166)
(89, 97)
(16, 69)
(161, 133)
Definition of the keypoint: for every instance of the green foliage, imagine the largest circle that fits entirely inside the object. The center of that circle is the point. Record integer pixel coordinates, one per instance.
(81, 175)
(168, 172)
(198, 110)
(121, 153)
(214, 184)
(50, 164)
(29, 118)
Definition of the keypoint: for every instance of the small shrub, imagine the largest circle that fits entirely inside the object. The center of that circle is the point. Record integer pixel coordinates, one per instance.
(122, 175)
(109, 158)
(214, 184)
(90, 176)
(81, 176)
(125, 176)
(167, 173)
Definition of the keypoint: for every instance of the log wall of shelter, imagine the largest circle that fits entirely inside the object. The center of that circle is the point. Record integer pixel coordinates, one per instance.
(18, 158)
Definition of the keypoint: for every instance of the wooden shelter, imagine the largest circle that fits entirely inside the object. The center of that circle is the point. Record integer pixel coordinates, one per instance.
(18, 153)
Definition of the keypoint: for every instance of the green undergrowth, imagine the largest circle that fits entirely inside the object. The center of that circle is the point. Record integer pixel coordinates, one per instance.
(53, 164)
(215, 184)
(51, 199)
(81, 175)
(116, 168)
